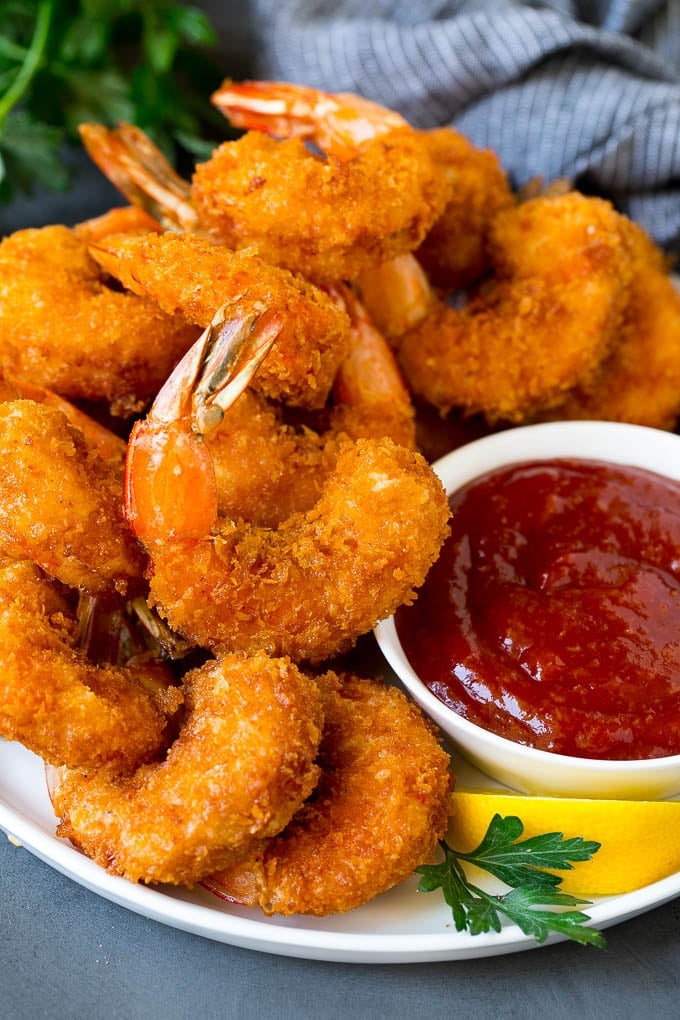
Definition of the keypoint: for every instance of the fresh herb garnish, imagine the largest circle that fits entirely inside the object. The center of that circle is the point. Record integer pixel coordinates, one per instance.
(517, 863)
(67, 61)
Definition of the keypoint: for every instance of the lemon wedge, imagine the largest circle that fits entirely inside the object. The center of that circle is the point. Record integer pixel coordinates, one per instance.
(640, 840)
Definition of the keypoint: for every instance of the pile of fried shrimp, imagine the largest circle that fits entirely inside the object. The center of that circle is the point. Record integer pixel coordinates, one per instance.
(219, 405)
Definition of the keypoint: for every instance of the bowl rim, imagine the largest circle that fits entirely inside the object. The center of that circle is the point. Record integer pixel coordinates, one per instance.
(462, 464)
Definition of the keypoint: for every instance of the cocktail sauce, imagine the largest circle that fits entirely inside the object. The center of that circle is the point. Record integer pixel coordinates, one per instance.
(552, 616)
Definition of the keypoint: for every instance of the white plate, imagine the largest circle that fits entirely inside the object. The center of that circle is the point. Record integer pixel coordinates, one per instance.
(401, 926)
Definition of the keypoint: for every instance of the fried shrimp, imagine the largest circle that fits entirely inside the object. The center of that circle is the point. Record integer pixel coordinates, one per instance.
(640, 381)
(242, 765)
(307, 589)
(377, 813)
(53, 699)
(288, 465)
(188, 275)
(61, 502)
(374, 196)
(65, 325)
(109, 445)
(455, 252)
(544, 323)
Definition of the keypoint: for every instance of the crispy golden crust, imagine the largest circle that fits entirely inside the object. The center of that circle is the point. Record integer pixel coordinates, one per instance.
(545, 323)
(640, 381)
(240, 768)
(190, 276)
(287, 467)
(65, 327)
(310, 588)
(61, 502)
(56, 702)
(324, 218)
(380, 806)
(455, 252)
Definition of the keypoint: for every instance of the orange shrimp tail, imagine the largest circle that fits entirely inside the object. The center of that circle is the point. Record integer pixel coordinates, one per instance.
(170, 490)
(337, 122)
(124, 220)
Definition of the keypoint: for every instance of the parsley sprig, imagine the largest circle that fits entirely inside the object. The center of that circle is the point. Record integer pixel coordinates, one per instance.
(67, 61)
(518, 864)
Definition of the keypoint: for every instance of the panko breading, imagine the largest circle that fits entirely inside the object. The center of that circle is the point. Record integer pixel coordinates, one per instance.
(541, 326)
(455, 252)
(311, 587)
(380, 807)
(288, 466)
(372, 196)
(58, 703)
(640, 381)
(242, 765)
(189, 276)
(65, 325)
(61, 502)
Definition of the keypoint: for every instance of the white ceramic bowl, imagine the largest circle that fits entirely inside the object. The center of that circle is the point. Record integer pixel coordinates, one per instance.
(525, 768)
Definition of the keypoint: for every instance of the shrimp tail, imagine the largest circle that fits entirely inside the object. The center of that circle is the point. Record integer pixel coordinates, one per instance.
(168, 462)
(337, 122)
(141, 173)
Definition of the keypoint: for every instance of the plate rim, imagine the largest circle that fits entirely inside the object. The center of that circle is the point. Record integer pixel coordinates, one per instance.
(297, 941)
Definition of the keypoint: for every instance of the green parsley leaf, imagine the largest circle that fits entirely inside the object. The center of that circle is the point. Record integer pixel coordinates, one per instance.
(518, 864)
(63, 62)
(30, 156)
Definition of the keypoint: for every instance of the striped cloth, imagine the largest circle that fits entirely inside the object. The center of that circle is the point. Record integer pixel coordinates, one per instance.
(586, 90)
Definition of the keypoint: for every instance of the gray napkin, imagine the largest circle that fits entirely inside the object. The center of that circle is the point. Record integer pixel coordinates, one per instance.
(590, 91)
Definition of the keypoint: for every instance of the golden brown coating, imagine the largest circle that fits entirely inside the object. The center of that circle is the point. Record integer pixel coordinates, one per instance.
(541, 327)
(61, 503)
(241, 766)
(640, 381)
(56, 702)
(455, 252)
(380, 807)
(310, 588)
(110, 446)
(288, 467)
(188, 275)
(324, 218)
(64, 325)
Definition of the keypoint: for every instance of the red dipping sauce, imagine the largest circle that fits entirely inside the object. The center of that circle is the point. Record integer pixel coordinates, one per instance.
(552, 616)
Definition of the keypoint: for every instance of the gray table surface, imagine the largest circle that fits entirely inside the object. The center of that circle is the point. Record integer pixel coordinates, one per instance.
(67, 953)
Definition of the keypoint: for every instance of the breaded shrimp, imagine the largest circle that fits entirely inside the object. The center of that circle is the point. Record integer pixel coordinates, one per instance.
(455, 252)
(190, 276)
(53, 699)
(544, 323)
(640, 381)
(61, 502)
(307, 589)
(109, 446)
(242, 765)
(287, 466)
(380, 807)
(65, 325)
(374, 196)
